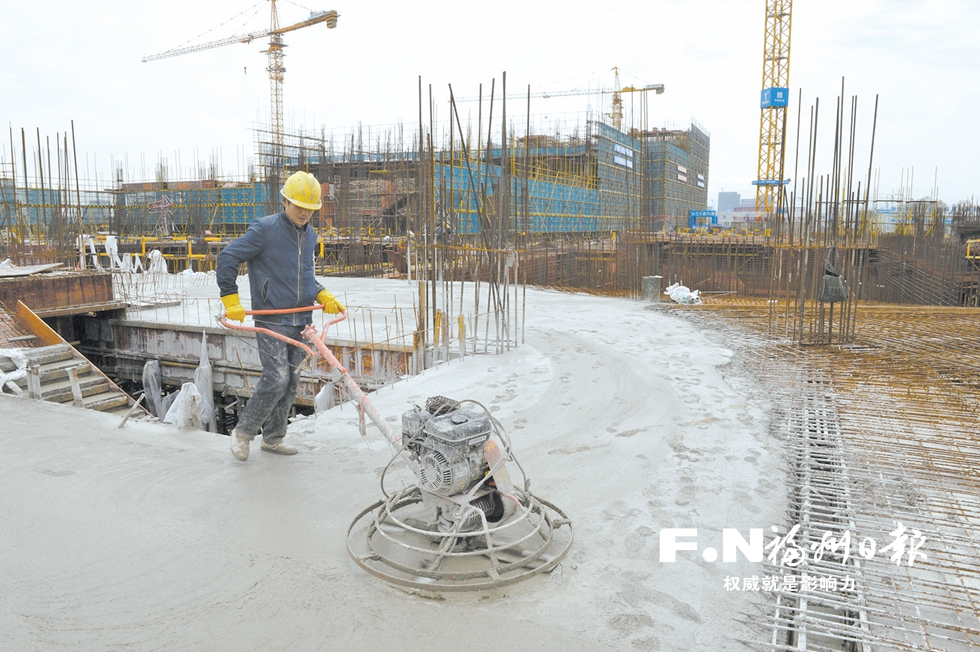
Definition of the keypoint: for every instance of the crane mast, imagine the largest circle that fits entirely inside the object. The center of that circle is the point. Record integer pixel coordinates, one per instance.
(276, 69)
(617, 102)
(774, 104)
(277, 72)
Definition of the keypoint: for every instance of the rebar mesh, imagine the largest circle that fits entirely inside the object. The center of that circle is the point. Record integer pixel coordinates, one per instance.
(880, 432)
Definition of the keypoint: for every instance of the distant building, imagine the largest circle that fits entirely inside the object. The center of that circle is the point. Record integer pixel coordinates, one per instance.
(727, 201)
(746, 212)
(675, 172)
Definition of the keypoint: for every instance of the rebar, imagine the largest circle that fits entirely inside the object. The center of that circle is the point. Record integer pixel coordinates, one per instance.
(881, 431)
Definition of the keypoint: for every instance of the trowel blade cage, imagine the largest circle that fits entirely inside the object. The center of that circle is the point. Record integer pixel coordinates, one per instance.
(392, 539)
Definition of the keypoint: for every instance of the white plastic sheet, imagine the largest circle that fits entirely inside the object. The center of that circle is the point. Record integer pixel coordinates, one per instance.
(185, 411)
(131, 263)
(112, 251)
(151, 388)
(324, 399)
(156, 263)
(680, 294)
(203, 380)
(166, 402)
(18, 357)
(91, 249)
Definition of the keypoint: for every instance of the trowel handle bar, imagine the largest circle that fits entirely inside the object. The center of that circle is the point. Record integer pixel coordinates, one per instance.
(255, 329)
(341, 317)
(284, 311)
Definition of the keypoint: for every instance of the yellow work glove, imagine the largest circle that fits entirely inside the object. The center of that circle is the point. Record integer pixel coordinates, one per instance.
(233, 307)
(329, 304)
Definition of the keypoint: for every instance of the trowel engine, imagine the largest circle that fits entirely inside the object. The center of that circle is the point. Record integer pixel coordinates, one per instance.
(448, 445)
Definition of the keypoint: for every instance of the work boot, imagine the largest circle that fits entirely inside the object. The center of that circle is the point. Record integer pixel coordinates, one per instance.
(279, 448)
(239, 446)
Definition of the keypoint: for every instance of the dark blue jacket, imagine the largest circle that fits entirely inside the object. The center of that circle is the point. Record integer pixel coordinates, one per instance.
(280, 267)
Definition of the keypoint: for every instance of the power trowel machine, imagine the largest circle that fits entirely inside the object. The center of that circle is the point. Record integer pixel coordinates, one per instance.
(463, 524)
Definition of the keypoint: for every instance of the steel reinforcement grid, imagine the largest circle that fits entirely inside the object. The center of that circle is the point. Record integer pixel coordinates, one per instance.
(883, 437)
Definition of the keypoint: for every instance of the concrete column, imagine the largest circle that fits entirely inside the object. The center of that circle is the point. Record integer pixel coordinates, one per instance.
(651, 288)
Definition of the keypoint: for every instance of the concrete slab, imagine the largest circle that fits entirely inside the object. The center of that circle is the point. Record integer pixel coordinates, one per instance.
(154, 538)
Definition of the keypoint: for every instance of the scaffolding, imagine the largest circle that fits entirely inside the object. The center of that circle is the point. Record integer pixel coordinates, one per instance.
(584, 183)
(675, 174)
(557, 195)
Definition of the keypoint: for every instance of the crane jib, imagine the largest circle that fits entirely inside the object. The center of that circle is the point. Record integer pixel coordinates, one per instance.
(276, 68)
(329, 17)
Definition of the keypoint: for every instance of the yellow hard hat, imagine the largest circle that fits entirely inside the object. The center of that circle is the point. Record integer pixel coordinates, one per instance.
(303, 189)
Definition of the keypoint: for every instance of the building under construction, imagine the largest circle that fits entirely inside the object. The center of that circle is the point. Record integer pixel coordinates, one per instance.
(675, 172)
(591, 181)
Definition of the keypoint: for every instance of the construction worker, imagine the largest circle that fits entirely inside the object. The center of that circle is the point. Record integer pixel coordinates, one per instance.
(279, 252)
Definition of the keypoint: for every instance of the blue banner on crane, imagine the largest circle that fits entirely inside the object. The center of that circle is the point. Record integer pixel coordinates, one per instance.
(775, 96)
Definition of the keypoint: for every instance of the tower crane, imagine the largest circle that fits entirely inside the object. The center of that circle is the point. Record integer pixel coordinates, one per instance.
(617, 100)
(775, 101)
(276, 69)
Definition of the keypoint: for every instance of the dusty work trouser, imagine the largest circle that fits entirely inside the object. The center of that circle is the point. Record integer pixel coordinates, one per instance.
(269, 406)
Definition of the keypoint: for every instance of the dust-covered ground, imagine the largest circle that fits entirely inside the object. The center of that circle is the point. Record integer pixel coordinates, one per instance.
(625, 416)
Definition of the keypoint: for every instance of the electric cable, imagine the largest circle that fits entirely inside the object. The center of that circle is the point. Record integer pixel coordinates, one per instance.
(387, 466)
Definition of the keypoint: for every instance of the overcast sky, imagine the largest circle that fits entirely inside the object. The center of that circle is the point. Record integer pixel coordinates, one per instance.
(80, 61)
